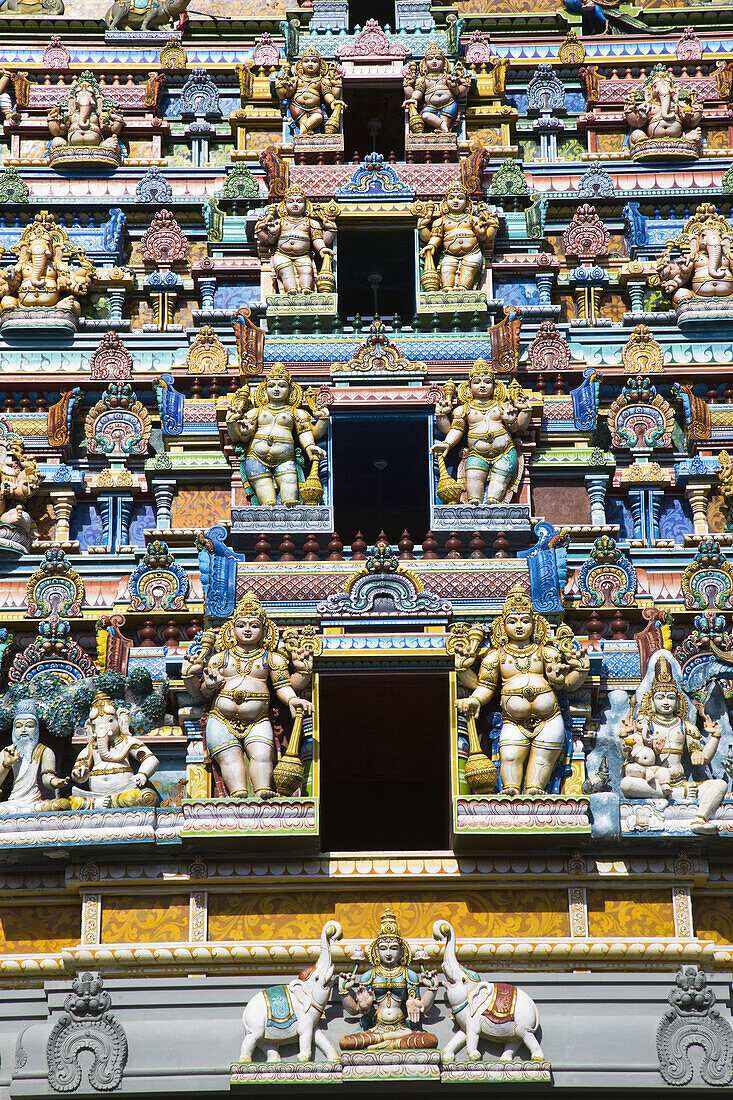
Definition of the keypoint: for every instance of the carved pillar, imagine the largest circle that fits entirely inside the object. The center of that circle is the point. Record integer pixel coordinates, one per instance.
(207, 287)
(596, 486)
(164, 492)
(636, 294)
(544, 281)
(62, 506)
(116, 303)
(697, 492)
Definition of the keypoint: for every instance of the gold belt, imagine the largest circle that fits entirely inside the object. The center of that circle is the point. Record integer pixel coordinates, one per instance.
(239, 695)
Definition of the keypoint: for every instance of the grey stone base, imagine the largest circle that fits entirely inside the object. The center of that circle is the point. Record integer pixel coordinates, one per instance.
(43, 321)
(72, 828)
(285, 1073)
(702, 313)
(480, 517)
(76, 158)
(139, 38)
(494, 1073)
(391, 1065)
(498, 813)
(301, 517)
(657, 817)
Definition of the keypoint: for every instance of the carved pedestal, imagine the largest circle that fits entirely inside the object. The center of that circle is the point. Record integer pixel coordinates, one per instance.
(46, 321)
(285, 1073)
(480, 517)
(391, 1065)
(658, 817)
(299, 517)
(75, 158)
(14, 539)
(496, 813)
(707, 316)
(494, 1073)
(294, 820)
(665, 149)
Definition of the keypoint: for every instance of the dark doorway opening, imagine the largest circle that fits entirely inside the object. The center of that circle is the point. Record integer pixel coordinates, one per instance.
(385, 761)
(361, 10)
(380, 476)
(376, 274)
(375, 119)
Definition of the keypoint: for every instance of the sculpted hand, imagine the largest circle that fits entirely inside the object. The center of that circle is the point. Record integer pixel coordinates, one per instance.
(9, 756)
(439, 448)
(346, 983)
(141, 780)
(470, 707)
(431, 980)
(709, 725)
(364, 999)
(414, 1010)
(302, 706)
(315, 452)
(58, 782)
(196, 668)
(697, 757)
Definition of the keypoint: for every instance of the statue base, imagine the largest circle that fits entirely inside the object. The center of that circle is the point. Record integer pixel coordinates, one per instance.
(78, 158)
(285, 1073)
(700, 313)
(293, 820)
(475, 814)
(139, 38)
(301, 517)
(480, 517)
(82, 828)
(491, 1073)
(294, 305)
(391, 1065)
(14, 539)
(318, 144)
(431, 302)
(431, 142)
(43, 321)
(658, 817)
(665, 149)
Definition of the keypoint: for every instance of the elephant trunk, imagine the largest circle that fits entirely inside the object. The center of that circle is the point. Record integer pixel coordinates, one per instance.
(714, 253)
(444, 931)
(330, 931)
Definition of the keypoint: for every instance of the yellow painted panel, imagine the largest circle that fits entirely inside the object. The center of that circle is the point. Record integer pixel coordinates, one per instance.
(645, 913)
(713, 918)
(144, 918)
(36, 928)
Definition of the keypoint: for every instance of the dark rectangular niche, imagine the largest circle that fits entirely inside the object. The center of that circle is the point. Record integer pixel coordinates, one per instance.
(385, 761)
(374, 119)
(388, 257)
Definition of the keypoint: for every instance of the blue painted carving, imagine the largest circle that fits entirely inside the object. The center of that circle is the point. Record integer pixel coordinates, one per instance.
(675, 520)
(199, 96)
(383, 589)
(142, 520)
(85, 526)
(103, 243)
(585, 401)
(170, 404)
(169, 582)
(646, 237)
(163, 280)
(153, 186)
(617, 512)
(607, 577)
(547, 563)
(218, 568)
(374, 180)
(545, 91)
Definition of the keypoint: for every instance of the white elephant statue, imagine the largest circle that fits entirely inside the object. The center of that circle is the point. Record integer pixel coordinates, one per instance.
(286, 1013)
(495, 1010)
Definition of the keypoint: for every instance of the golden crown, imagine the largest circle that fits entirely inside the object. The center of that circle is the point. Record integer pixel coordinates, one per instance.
(434, 48)
(250, 606)
(102, 704)
(517, 602)
(279, 370)
(663, 677)
(480, 368)
(389, 929)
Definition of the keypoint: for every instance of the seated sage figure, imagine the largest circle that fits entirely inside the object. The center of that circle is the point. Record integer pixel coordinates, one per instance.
(662, 748)
(388, 997)
(105, 764)
(32, 766)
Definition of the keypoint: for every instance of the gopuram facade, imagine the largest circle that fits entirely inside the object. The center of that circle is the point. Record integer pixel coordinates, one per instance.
(366, 548)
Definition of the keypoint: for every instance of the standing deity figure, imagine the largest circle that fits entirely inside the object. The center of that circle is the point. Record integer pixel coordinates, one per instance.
(105, 764)
(433, 92)
(312, 93)
(531, 671)
(654, 737)
(293, 233)
(388, 997)
(236, 670)
(491, 416)
(459, 232)
(661, 111)
(86, 119)
(705, 265)
(270, 429)
(20, 479)
(32, 766)
(43, 277)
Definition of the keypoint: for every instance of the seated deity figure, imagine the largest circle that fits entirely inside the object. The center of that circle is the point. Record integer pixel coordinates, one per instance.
(704, 268)
(661, 111)
(490, 416)
(32, 766)
(388, 997)
(433, 91)
(654, 738)
(43, 278)
(85, 119)
(531, 671)
(312, 93)
(105, 763)
(236, 670)
(269, 429)
(459, 232)
(294, 234)
(20, 479)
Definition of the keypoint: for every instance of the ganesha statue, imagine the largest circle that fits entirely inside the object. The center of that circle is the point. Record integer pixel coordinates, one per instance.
(696, 268)
(85, 129)
(22, 511)
(113, 770)
(51, 274)
(434, 90)
(664, 118)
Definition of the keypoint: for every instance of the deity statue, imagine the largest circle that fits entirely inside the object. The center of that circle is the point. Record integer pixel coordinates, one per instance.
(43, 278)
(491, 416)
(433, 92)
(20, 479)
(312, 93)
(145, 15)
(293, 233)
(236, 671)
(86, 120)
(277, 433)
(459, 231)
(664, 113)
(654, 737)
(705, 266)
(388, 997)
(104, 764)
(531, 670)
(32, 766)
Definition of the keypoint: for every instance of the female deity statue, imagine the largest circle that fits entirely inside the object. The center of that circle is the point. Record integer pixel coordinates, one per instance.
(236, 670)
(662, 112)
(654, 738)
(531, 670)
(105, 763)
(491, 416)
(433, 91)
(293, 234)
(388, 997)
(312, 93)
(86, 120)
(270, 429)
(460, 232)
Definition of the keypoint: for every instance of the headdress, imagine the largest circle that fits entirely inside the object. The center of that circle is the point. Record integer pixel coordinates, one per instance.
(249, 607)
(518, 602)
(25, 708)
(102, 704)
(293, 191)
(435, 50)
(481, 368)
(388, 930)
(663, 680)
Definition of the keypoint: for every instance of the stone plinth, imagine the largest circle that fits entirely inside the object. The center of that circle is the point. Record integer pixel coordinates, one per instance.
(665, 149)
(496, 1073)
(78, 158)
(391, 1065)
(277, 517)
(45, 322)
(225, 818)
(285, 1073)
(658, 817)
(709, 317)
(497, 813)
(480, 517)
